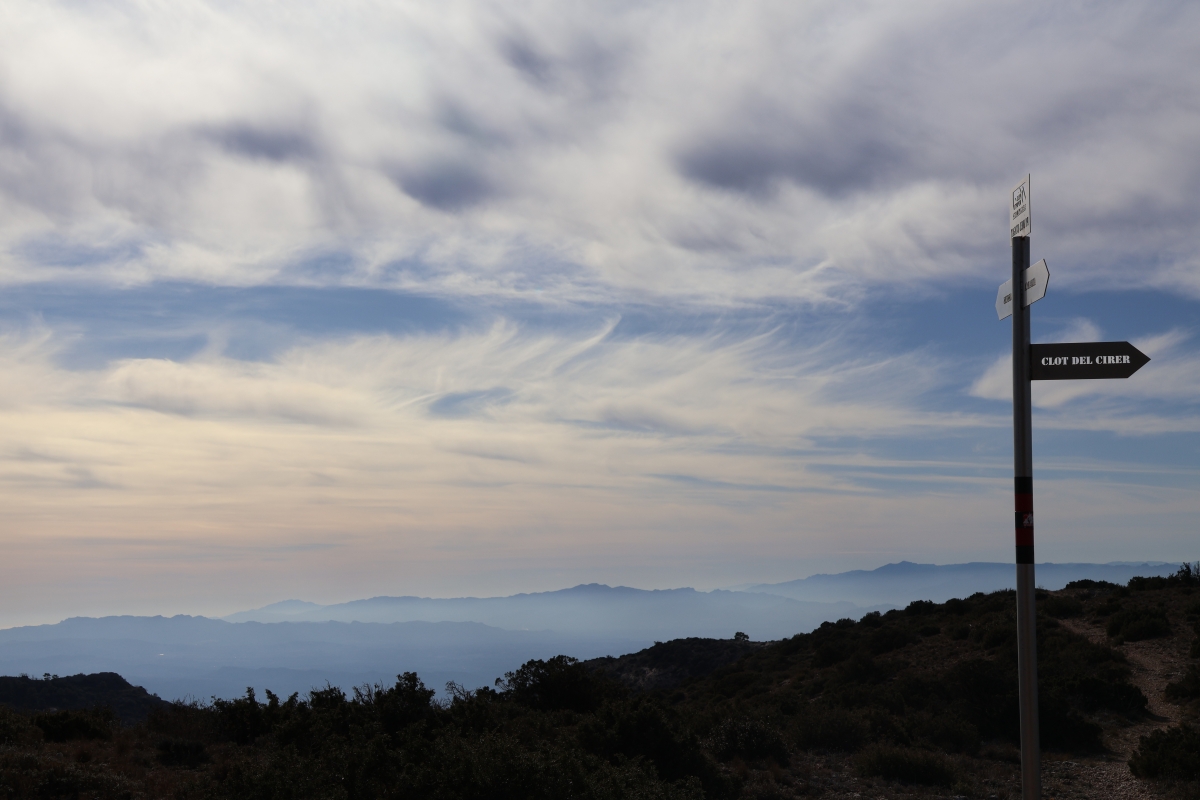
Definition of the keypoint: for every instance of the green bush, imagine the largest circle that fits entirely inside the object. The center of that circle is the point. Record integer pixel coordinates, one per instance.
(949, 732)
(1088, 583)
(182, 753)
(750, 739)
(1062, 607)
(1186, 575)
(1173, 753)
(1185, 689)
(642, 729)
(826, 728)
(17, 730)
(885, 640)
(558, 683)
(1136, 624)
(908, 765)
(66, 726)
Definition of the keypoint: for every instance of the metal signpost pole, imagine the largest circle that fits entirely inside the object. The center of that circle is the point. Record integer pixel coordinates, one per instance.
(1041, 362)
(1031, 777)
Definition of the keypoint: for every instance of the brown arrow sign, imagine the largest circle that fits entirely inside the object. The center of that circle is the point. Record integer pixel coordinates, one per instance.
(1084, 361)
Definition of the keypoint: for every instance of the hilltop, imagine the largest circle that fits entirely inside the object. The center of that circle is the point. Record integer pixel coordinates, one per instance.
(130, 704)
(913, 702)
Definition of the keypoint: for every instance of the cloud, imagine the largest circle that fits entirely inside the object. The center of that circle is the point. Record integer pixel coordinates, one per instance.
(565, 152)
(525, 286)
(1172, 377)
(446, 186)
(591, 412)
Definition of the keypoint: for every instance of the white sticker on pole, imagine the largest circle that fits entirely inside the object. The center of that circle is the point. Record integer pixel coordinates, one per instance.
(1018, 220)
(1036, 279)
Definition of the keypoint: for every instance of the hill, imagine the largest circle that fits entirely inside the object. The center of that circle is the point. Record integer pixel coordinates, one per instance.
(918, 702)
(131, 704)
(900, 584)
(669, 664)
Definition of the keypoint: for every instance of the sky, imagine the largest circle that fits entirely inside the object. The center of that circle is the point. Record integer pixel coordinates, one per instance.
(334, 300)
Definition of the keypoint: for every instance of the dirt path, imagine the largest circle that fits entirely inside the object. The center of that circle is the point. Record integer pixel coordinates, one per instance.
(1155, 663)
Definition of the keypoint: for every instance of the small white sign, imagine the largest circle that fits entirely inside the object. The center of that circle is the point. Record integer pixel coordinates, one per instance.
(1018, 220)
(1036, 279)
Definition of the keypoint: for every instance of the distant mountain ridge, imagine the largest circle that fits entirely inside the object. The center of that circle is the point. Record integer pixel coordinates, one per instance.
(655, 614)
(622, 608)
(900, 584)
(296, 646)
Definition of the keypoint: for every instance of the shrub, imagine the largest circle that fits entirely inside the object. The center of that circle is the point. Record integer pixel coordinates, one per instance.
(950, 733)
(558, 683)
(66, 726)
(647, 730)
(999, 636)
(1186, 575)
(17, 730)
(183, 720)
(241, 720)
(1171, 753)
(181, 753)
(885, 640)
(908, 765)
(1185, 689)
(956, 606)
(825, 728)
(830, 653)
(402, 705)
(1088, 583)
(1062, 728)
(1136, 624)
(1062, 607)
(960, 632)
(750, 739)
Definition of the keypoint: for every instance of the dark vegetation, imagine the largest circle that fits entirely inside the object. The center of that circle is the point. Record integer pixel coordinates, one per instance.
(1173, 754)
(668, 664)
(920, 700)
(128, 703)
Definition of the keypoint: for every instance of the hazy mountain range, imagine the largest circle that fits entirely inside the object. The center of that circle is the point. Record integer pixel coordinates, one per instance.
(900, 584)
(471, 641)
(296, 645)
(591, 609)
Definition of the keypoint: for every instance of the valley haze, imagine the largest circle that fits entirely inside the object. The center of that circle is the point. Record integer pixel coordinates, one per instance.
(293, 646)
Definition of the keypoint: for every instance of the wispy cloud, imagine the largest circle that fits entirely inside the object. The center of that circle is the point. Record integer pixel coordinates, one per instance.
(483, 292)
(710, 153)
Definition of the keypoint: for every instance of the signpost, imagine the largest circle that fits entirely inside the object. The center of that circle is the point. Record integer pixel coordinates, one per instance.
(1083, 361)
(1037, 278)
(1041, 362)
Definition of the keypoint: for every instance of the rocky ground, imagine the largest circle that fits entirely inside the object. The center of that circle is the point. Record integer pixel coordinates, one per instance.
(1155, 663)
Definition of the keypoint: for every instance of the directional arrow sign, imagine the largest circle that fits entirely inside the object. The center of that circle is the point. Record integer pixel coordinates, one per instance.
(1036, 279)
(1084, 361)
